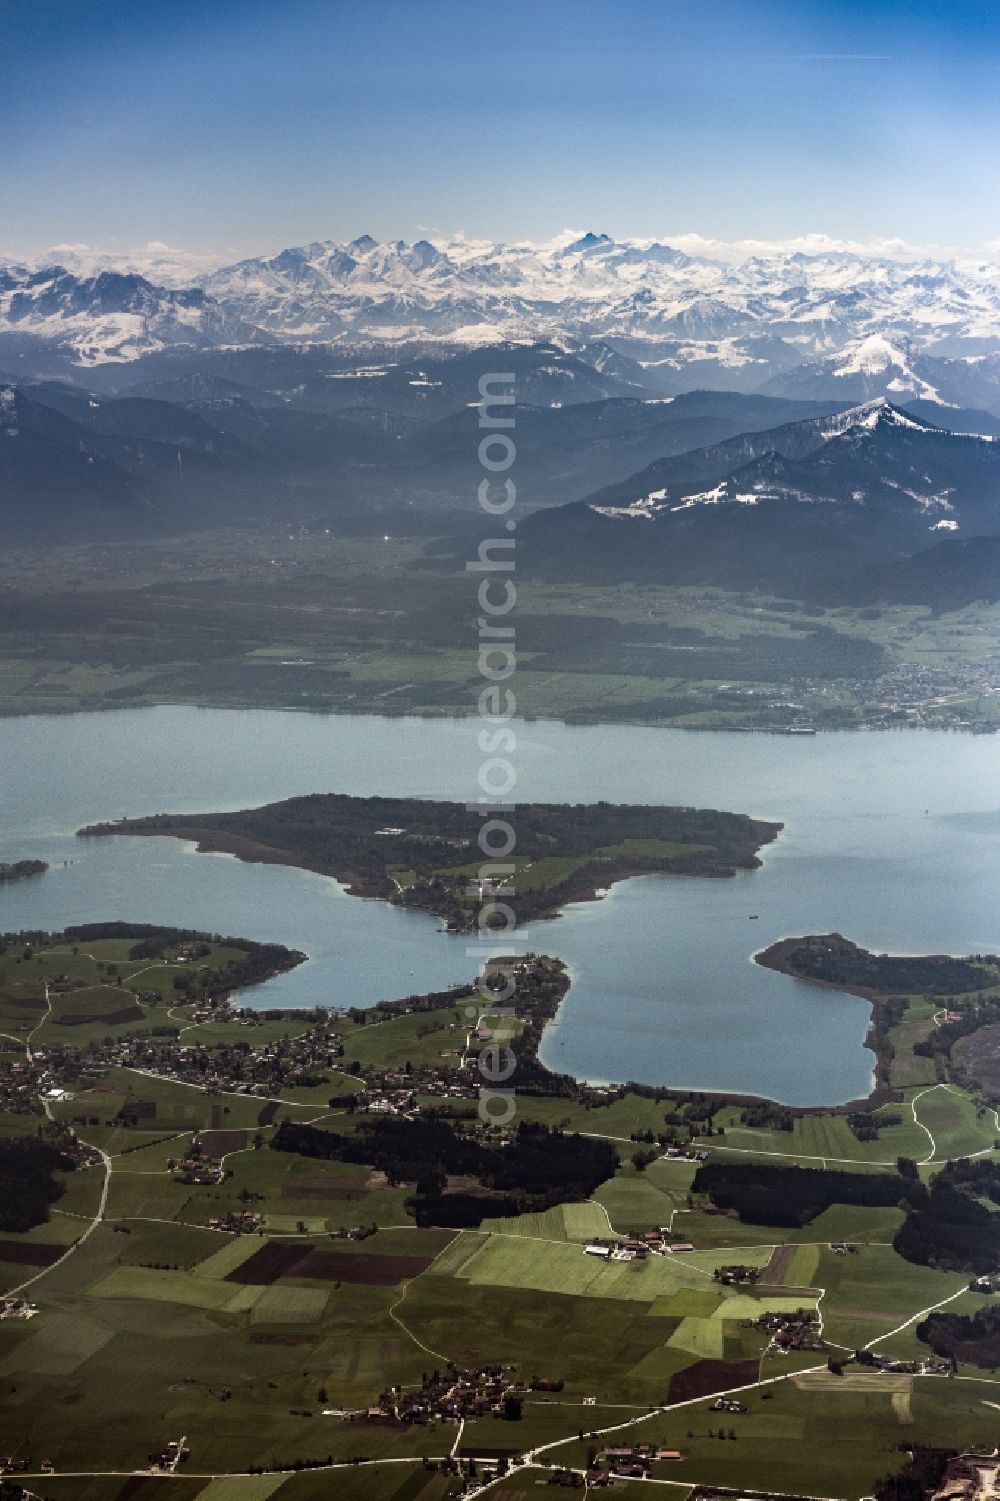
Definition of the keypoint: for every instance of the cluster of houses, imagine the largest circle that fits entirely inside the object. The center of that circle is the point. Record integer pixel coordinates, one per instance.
(971, 1478)
(170, 1456)
(78, 1152)
(789, 1331)
(737, 1275)
(392, 1091)
(197, 1169)
(25, 1082)
(353, 1232)
(658, 1242)
(237, 1068)
(12, 1466)
(379, 1101)
(238, 1222)
(17, 1308)
(633, 1460)
(60, 984)
(933, 1365)
(454, 1394)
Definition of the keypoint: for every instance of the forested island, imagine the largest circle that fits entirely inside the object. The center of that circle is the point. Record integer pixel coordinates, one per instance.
(21, 870)
(426, 855)
(831, 959)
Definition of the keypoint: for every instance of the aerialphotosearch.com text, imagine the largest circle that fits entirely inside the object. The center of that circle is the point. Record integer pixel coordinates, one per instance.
(496, 598)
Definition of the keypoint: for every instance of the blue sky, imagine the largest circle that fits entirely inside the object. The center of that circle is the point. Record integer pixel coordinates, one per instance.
(237, 127)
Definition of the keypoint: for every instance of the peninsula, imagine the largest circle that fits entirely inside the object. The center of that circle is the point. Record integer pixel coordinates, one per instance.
(923, 1006)
(426, 855)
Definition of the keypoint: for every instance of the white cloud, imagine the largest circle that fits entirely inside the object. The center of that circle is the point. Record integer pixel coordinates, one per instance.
(880, 247)
(175, 266)
(168, 265)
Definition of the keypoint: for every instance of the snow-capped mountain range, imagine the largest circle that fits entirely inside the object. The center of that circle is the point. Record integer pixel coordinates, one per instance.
(596, 287)
(833, 323)
(111, 316)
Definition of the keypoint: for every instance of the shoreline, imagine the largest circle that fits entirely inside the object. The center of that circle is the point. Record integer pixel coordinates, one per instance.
(778, 957)
(775, 957)
(585, 885)
(577, 721)
(721, 1095)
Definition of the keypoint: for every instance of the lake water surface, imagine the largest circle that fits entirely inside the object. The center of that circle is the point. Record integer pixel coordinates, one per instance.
(890, 838)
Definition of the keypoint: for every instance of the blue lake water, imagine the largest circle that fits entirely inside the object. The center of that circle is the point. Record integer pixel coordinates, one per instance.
(890, 838)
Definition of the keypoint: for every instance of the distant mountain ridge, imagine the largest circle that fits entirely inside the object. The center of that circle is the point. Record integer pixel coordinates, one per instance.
(333, 448)
(833, 326)
(112, 316)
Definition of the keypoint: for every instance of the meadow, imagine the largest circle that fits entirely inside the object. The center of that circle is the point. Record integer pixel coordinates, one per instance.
(374, 626)
(156, 1325)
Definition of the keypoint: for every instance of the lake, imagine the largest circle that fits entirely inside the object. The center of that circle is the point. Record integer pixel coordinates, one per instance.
(890, 838)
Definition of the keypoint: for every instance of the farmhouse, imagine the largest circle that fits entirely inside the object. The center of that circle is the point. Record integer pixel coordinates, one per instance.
(635, 1459)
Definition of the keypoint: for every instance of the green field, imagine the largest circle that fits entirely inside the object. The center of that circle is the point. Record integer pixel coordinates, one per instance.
(381, 623)
(141, 1337)
(959, 1127)
(572, 1222)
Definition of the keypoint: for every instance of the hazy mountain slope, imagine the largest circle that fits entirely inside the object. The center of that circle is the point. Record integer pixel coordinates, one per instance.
(56, 482)
(953, 573)
(868, 486)
(563, 452)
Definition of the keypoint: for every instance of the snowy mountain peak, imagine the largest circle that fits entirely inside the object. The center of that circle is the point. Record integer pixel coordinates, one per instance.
(831, 325)
(871, 355)
(873, 364)
(873, 416)
(589, 241)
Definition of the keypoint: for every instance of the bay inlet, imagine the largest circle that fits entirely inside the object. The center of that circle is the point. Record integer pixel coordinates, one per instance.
(889, 838)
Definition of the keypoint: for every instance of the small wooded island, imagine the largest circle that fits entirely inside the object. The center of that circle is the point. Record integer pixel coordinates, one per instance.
(426, 854)
(831, 959)
(21, 870)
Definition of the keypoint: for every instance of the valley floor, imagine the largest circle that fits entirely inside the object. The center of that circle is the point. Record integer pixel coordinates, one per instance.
(387, 627)
(154, 1325)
